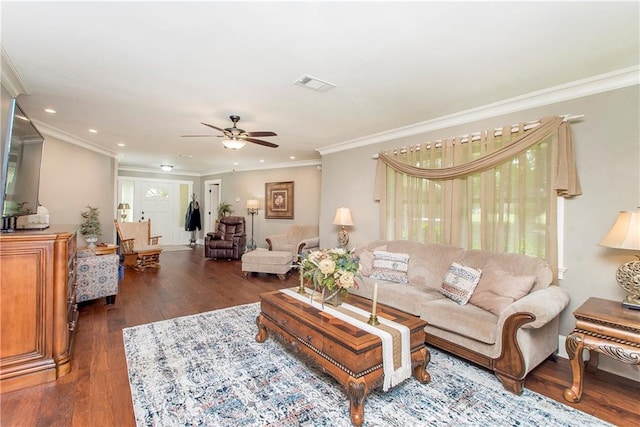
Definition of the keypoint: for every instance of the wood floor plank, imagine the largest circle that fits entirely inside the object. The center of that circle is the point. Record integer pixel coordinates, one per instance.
(96, 392)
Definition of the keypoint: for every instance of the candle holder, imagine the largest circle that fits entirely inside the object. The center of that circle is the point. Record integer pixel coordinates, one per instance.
(373, 320)
(301, 289)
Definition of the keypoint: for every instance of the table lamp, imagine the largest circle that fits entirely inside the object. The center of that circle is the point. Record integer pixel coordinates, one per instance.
(625, 234)
(123, 208)
(343, 218)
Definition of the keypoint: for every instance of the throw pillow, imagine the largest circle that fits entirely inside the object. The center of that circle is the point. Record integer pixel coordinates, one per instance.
(498, 289)
(459, 282)
(366, 260)
(390, 266)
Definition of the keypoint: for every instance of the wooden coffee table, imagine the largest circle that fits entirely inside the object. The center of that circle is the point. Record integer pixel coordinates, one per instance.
(350, 355)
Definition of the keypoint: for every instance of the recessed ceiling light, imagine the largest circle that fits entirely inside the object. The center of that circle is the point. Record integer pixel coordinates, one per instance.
(185, 155)
(166, 168)
(235, 163)
(261, 160)
(292, 157)
(121, 144)
(50, 110)
(93, 131)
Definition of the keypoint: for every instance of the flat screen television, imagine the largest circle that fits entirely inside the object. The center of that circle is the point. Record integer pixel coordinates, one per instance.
(22, 147)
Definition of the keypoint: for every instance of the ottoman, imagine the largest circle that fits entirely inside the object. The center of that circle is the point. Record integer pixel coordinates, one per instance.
(264, 261)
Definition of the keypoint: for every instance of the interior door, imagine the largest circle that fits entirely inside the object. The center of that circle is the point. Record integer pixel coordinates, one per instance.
(155, 201)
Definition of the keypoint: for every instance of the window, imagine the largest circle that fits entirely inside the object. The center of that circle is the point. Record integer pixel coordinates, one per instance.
(493, 190)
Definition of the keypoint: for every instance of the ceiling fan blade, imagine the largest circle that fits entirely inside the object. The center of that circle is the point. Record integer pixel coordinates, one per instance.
(262, 133)
(213, 127)
(261, 142)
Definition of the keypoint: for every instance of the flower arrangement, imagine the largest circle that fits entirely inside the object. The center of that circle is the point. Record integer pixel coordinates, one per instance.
(331, 271)
(91, 222)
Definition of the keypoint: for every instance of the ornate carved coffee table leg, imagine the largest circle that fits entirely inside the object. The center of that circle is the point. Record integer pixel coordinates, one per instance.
(262, 330)
(357, 391)
(420, 359)
(574, 345)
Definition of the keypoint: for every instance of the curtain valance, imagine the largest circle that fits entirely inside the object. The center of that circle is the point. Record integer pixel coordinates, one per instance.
(565, 180)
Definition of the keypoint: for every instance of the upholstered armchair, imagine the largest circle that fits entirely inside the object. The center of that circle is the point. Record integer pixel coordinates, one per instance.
(297, 239)
(97, 276)
(228, 241)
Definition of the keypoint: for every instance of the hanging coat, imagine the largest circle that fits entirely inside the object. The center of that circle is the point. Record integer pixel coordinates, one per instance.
(192, 219)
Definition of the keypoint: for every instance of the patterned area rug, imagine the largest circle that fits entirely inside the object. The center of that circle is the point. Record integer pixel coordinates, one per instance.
(208, 370)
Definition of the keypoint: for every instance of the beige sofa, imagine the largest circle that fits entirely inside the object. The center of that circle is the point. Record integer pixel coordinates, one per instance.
(512, 342)
(297, 239)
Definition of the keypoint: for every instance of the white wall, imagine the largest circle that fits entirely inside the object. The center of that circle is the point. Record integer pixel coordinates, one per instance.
(72, 178)
(607, 143)
(238, 187)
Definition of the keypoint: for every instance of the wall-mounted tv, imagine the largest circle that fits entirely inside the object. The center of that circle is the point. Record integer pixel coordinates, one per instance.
(22, 147)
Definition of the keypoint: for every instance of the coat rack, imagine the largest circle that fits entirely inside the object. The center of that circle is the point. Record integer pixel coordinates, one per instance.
(192, 220)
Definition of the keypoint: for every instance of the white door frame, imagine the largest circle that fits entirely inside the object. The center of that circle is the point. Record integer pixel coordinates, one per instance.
(210, 209)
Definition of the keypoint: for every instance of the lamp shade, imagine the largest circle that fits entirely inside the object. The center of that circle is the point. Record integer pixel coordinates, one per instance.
(121, 206)
(625, 233)
(233, 144)
(343, 217)
(253, 204)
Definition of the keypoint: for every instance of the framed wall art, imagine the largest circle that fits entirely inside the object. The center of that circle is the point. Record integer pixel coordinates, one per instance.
(278, 198)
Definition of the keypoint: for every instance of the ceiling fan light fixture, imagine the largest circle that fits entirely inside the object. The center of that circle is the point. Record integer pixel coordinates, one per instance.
(233, 144)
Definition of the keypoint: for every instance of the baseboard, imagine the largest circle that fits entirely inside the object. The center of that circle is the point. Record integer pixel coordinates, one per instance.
(605, 363)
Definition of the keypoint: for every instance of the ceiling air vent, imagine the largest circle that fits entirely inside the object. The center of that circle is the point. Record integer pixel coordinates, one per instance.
(314, 83)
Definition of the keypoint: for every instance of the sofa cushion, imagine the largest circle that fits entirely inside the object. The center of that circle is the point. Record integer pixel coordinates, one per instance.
(460, 282)
(390, 266)
(429, 262)
(516, 264)
(408, 298)
(365, 256)
(498, 288)
(466, 320)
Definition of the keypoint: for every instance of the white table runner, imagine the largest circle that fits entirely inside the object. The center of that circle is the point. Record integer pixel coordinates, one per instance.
(392, 376)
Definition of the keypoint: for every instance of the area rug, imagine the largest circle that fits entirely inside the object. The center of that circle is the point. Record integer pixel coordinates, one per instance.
(208, 370)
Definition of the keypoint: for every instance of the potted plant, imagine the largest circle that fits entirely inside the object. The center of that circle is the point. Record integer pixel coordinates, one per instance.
(91, 227)
(224, 208)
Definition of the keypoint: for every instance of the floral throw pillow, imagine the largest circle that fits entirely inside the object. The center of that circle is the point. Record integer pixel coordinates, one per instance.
(390, 266)
(460, 282)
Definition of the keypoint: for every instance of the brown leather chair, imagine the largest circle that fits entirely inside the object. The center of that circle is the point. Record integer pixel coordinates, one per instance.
(228, 241)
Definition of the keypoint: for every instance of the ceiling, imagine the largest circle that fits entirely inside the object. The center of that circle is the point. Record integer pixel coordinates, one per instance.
(144, 73)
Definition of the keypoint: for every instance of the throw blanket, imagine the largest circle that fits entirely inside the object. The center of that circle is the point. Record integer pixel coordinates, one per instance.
(393, 374)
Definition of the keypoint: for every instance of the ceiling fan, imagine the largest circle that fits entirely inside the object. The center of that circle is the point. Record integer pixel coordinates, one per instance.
(236, 137)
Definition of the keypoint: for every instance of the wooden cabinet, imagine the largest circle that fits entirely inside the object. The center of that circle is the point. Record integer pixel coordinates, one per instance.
(38, 313)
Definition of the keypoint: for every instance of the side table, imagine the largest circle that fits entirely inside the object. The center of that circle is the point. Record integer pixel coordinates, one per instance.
(602, 326)
(102, 250)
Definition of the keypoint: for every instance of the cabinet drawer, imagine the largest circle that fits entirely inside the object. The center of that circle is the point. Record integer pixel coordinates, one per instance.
(298, 329)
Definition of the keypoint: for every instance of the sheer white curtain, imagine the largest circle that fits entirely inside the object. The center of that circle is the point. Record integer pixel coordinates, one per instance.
(493, 190)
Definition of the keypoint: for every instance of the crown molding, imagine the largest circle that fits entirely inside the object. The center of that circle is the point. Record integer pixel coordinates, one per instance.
(56, 133)
(10, 77)
(589, 86)
(283, 165)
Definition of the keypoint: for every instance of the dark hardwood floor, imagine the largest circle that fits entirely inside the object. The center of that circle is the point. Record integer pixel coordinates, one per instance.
(96, 392)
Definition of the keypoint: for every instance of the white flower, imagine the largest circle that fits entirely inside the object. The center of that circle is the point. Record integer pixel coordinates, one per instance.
(327, 266)
(346, 279)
